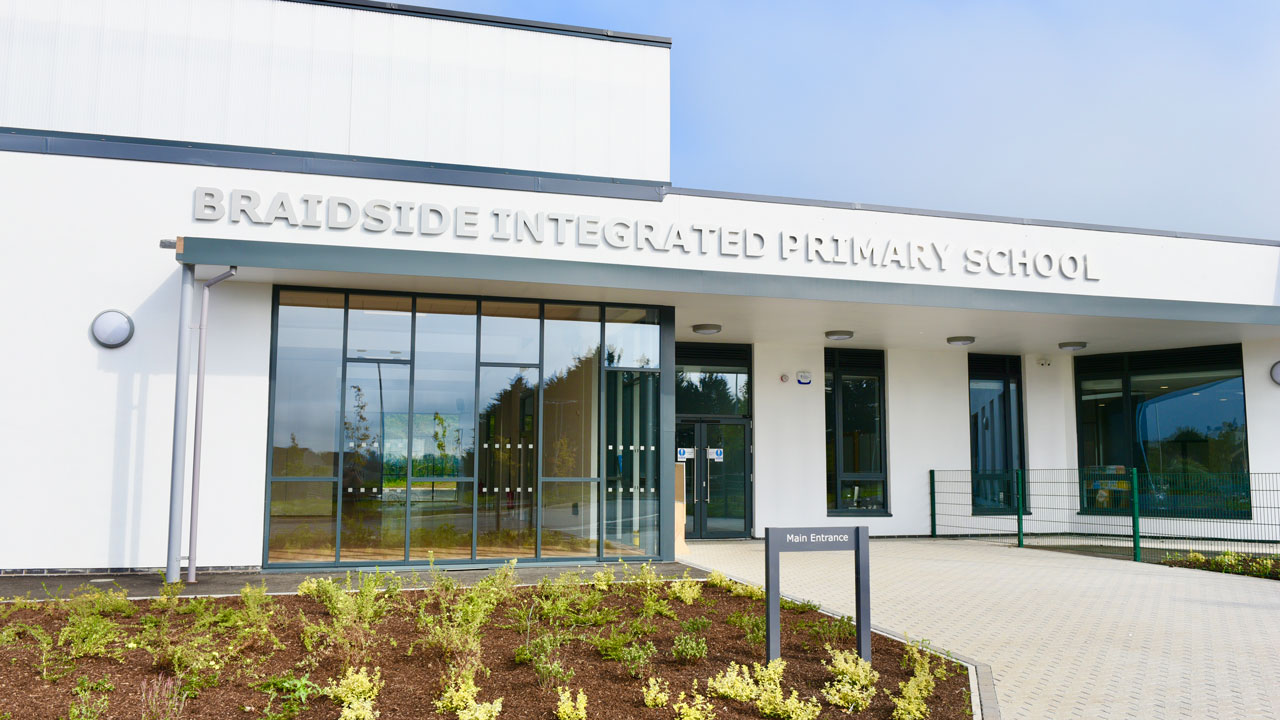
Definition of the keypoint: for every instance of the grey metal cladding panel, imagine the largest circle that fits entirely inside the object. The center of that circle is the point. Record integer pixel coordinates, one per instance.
(425, 263)
(252, 158)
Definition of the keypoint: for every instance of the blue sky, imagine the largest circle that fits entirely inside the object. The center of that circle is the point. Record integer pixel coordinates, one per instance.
(1159, 113)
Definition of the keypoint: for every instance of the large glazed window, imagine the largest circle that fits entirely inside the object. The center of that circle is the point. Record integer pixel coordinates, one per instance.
(1177, 419)
(409, 428)
(571, 392)
(995, 432)
(856, 475)
(308, 379)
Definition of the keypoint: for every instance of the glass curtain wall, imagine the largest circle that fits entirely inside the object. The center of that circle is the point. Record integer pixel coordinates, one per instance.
(856, 474)
(415, 428)
(995, 432)
(1177, 417)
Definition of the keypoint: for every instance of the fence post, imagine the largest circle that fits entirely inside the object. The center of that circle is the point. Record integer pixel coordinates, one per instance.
(1017, 493)
(933, 508)
(1137, 534)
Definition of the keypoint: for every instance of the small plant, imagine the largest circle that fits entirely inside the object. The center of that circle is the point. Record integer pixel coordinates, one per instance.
(911, 704)
(654, 606)
(688, 649)
(854, 685)
(88, 634)
(695, 625)
(719, 580)
(1198, 558)
(696, 707)
(636, 656)
(569, 708)
(459, 698)
(52, 663)
(753, 626)
(827, 630)
(162, 699)
(87, 705)
(602, 580)
(356, 693)
(99, 601)
(646, 578)
(686, 590)
(169, 594)
(798, 606)
(656, 693)
(735, 683)
(292, 692)
(540, 652)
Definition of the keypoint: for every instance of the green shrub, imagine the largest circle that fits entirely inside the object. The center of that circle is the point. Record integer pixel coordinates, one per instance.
(825, 630)
(52, 663)
(688, 649)
(686, 590)
(735, 683)
(645, 578)
(602, 580)
(169, 594)
(636, 656)
(87, 705)
(855, 681)
(292, 692)
(1197, 558)
(798, 606)
(459, 697)
(752, 625)
(656, 693)
(695, 625)
(251, 621)
(88, 634)
(719, 580)
(99, 601)
(653, 606)
(1228, 562)
(569, 708)
(540, 652)
(911, 704)
(696, 707)
(356, 693)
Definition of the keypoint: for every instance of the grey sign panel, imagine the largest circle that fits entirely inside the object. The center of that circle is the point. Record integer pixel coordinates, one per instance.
(817, 539)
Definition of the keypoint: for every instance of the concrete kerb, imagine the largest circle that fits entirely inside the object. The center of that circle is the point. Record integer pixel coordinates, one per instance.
(982, 685)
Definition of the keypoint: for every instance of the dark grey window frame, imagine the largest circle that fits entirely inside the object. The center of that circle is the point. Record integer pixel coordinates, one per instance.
(1011, 368)
(1122, 365)
(839, 362)
(666, 430)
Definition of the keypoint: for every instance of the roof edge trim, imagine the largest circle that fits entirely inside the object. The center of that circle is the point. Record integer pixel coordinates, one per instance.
(394, 8)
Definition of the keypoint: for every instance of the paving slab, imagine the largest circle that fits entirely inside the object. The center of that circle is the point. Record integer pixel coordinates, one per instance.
(1067, 636)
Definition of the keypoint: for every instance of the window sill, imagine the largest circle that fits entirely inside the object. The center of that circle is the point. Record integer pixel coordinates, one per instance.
(859, 513)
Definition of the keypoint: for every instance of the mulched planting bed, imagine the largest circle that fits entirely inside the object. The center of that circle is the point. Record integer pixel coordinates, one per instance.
(174, 640)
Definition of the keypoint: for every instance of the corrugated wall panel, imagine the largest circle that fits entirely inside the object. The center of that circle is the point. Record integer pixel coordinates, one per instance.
(269, 73)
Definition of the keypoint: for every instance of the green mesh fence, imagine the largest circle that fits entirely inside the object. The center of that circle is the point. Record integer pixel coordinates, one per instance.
(1141, 516)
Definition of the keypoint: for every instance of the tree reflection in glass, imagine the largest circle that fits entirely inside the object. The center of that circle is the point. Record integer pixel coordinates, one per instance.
(507, 467)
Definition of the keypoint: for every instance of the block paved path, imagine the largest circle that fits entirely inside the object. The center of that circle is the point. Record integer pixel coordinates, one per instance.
(1067, 636)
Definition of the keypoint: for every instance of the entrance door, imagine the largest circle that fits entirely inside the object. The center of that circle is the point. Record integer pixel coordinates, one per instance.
(717, 461)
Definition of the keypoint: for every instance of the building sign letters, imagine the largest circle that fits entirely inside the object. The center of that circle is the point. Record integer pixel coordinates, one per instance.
(504, 225)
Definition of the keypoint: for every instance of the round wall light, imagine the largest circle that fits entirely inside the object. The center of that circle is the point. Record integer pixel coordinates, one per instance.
(706, 328)
(112, 328)
(961, 340)
(1275, 373)
(839, 334)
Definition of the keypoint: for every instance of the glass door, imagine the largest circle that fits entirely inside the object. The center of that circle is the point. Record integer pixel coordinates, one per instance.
(716, 456)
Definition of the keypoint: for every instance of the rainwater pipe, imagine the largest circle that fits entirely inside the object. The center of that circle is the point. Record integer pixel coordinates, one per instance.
(196, 446)
(177, 469)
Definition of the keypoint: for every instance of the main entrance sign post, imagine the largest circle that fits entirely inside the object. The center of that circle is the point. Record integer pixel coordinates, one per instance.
(817, 539)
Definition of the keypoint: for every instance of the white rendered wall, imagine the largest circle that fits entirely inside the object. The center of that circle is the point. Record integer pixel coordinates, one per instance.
(1262, 409)
(927, 393)
(927, 396)
(268, 73)
(1049, 407)
(86, 477)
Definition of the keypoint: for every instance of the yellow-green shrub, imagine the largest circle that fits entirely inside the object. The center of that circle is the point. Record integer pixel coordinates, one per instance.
(657, 693)
(696, 707)
(855, 681)
(356, 693)
(569, 708)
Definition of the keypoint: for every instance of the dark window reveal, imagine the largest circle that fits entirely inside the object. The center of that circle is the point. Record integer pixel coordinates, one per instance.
(856, 472)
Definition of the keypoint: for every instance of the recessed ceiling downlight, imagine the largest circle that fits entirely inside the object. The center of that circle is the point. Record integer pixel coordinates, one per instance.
(961, 340)
(706, 328)
(1073, 345)
(839, 334)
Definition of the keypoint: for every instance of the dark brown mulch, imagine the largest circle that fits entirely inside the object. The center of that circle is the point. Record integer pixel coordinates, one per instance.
(413, 682)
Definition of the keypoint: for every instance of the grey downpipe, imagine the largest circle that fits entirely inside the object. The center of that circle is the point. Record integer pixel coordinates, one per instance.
(177, 470)
(197, 444)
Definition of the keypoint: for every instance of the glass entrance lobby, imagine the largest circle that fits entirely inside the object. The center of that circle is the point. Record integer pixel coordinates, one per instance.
(408, 428)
